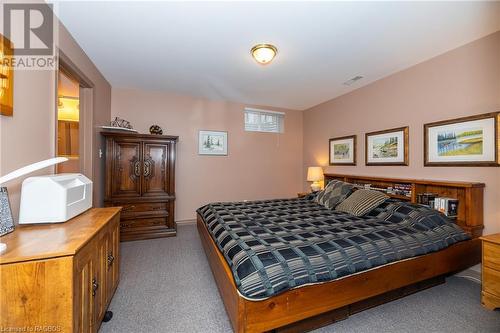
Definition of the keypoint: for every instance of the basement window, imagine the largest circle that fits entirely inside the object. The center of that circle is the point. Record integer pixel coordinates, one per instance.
(257, 120)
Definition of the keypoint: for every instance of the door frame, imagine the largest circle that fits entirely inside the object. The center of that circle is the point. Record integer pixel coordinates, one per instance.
(86, 101)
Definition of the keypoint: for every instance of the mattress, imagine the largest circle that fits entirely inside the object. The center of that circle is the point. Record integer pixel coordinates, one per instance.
(276, 245)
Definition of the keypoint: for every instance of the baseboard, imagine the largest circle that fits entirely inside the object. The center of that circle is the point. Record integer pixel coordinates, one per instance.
(186, 222)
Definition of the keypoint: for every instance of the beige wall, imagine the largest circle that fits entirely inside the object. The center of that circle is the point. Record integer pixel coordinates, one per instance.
(462, 82)
(258, 165)
(29, 136)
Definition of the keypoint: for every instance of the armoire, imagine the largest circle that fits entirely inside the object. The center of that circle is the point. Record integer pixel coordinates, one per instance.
(140, 177)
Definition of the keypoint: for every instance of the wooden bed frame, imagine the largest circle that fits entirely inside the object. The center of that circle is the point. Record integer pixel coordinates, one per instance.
(307, 307)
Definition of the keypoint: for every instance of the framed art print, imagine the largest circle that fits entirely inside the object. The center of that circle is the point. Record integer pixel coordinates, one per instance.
(389, 147)
(343, 150)
(212, 143)
(467, 141)
(6, 78)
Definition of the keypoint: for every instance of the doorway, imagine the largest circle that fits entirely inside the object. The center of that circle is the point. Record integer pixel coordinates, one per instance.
(75, 137)
(68, 123)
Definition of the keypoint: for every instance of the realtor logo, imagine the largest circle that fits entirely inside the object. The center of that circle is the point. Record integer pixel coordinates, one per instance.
(30, 26)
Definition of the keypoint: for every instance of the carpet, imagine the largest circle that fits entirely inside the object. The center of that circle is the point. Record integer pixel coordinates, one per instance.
(166, 285)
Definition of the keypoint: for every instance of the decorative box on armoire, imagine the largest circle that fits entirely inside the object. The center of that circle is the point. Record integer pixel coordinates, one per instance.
(140, 177)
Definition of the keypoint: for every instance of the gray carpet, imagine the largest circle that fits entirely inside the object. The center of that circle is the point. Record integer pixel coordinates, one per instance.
(166, 286)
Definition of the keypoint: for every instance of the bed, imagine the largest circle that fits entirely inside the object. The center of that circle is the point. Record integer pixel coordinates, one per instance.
(292, 264)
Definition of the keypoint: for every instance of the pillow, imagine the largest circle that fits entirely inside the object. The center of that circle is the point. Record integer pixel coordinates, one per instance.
(334, 193)
(361, 202)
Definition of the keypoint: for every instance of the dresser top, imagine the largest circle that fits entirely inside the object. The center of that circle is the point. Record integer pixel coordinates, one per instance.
(139, 135)
(43, 241)
(495, 238)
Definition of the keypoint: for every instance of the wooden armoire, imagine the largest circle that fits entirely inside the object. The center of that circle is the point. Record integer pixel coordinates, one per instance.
(140, 177)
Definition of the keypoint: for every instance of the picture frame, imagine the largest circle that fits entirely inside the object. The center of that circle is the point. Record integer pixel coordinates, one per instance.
(342, 150)
(387, 147)
(6, 220)
(465, 141)
(212, 143)
(6, 78)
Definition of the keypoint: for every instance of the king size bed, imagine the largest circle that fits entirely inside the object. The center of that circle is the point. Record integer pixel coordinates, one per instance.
(293, 264)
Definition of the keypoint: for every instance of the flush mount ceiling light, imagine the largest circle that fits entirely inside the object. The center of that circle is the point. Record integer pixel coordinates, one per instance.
(264, 53)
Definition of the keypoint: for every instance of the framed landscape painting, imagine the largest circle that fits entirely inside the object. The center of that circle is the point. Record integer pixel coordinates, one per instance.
(468, 141)
(389, 147)
(343, 150)
(212, 143)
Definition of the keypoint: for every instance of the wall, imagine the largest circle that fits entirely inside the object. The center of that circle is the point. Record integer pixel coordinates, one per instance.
(462, 82)
(29, 136)
(258, 165)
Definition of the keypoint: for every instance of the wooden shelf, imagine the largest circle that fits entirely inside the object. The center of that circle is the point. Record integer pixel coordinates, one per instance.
(469, 195)
(400, 197)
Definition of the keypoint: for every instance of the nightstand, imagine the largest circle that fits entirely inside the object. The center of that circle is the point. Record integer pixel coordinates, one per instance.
(302, 194)
(490, 294)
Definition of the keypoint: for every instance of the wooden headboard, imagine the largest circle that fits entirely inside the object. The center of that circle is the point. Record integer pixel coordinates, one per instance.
(469, 194)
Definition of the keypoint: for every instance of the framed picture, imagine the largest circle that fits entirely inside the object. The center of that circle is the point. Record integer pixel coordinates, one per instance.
(6, 221)
(212, 143)
(343, 150)
(6, 78)
(467, 141)
(389, 147)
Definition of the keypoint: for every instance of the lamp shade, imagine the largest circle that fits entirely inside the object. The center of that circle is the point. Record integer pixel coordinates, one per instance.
(314, 174)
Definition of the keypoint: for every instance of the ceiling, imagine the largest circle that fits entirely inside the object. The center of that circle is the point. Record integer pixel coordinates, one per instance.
(203, 48)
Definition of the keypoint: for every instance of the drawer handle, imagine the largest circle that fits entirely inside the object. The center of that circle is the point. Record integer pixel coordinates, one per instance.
(111, 259)
(128, 208)
(95, 286)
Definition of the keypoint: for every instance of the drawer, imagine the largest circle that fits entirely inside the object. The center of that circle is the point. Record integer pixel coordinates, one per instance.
(144, 224)
(144, 209)
(491, 281)
(491, 255)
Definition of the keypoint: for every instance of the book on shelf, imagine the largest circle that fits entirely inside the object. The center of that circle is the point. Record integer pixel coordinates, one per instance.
(447, 206)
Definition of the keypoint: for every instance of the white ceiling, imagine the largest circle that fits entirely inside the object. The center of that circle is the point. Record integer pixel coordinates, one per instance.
(203, 48)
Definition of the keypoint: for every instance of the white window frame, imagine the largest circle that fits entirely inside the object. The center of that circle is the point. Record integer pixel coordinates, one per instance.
(260, 127)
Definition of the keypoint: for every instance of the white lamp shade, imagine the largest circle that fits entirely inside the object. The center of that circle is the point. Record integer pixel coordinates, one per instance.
(314, 174)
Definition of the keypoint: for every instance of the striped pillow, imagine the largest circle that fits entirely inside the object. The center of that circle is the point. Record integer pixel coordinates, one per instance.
(361, 202)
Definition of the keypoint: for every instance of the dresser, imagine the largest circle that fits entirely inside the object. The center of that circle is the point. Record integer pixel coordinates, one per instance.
(140, 177)
(60, 277)
(490, 294)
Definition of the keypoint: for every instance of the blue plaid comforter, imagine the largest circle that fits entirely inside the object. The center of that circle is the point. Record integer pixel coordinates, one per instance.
(276, 245)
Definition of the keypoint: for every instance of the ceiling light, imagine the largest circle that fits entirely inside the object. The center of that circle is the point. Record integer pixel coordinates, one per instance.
(264, 53)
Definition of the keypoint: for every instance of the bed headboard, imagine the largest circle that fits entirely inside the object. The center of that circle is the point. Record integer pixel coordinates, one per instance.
(469, 194)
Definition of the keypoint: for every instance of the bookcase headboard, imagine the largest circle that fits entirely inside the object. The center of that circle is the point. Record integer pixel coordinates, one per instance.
(469, 194)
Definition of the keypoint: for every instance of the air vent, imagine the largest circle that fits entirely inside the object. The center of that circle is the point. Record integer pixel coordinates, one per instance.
(353, 80)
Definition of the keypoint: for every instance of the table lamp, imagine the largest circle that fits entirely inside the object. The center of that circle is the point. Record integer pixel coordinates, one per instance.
(315, 174)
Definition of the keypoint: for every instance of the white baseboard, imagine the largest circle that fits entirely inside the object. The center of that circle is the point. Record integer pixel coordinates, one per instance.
(186, 222)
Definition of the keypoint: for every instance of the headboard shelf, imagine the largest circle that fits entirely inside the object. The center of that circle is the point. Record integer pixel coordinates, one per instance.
(469, 194)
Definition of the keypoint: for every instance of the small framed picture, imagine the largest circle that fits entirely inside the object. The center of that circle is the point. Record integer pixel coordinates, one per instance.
(467, 141)
(389, 147)
(343, 150)
(6, 221)
(212, 143)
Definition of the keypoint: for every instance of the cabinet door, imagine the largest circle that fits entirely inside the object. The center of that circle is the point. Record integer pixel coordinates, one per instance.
(84, 279)
(100, 276)
(126, 171)
(156, 177)
(113, 258)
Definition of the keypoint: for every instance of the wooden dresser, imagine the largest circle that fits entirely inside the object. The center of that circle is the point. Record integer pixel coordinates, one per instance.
(60, 277)
(490, 294)
(140, 177)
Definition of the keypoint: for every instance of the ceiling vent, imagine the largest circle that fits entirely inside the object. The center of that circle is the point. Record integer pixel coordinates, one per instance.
(353, 80)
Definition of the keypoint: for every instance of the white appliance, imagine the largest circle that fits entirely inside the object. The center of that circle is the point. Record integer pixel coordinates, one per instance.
(54, 198)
